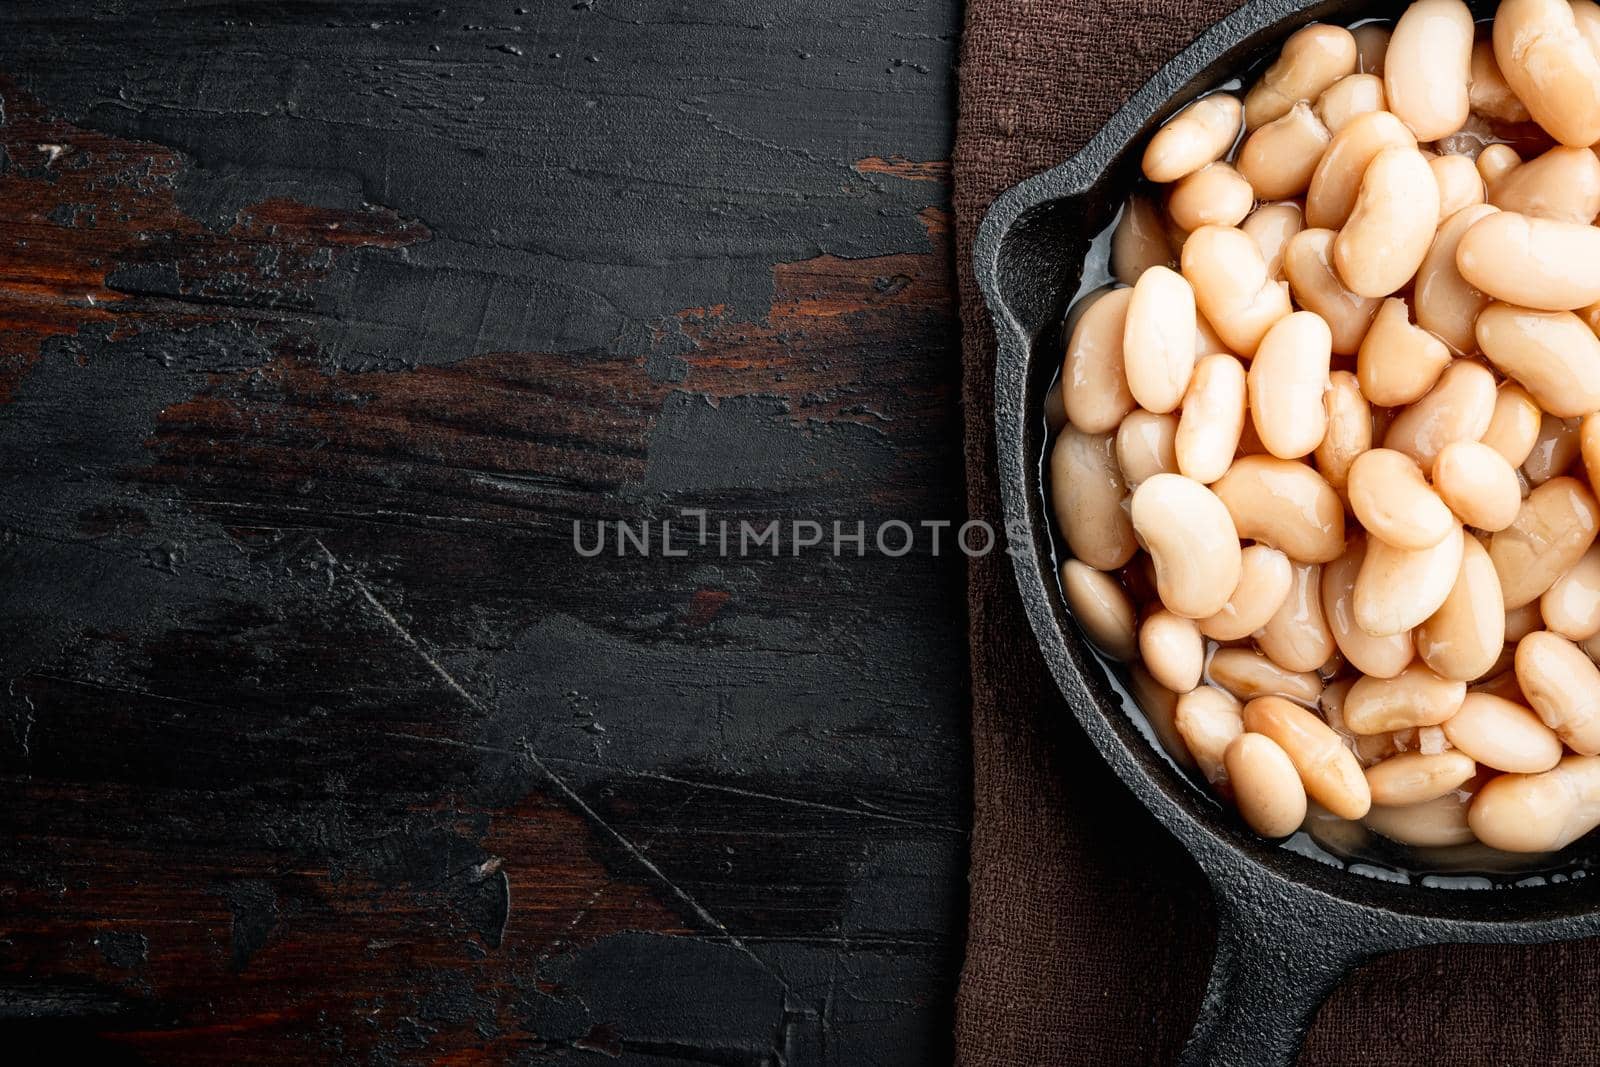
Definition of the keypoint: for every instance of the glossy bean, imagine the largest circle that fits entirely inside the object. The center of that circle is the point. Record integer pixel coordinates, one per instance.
(1495, 162)
(1158, 340)
(1214, 195)
(1553, 529)
(1414, 778)
(1350, 96)
(1297, 635)
(1552, 354)
(1086, 490)
(1160, 707)
(1477, 484)
(1502, 734)
(1312, 59)
(1212, 419)
(1336, 182)
(1428, 67)
(1392, 225)
(1093, 382)
(1198, 135)
(1172, 649)
(1207, 718)
(1394, 502)
(1460, 185)
(1308, 266)
(1554, 450)
(1101, 607)
(1265, 579)
(1514, 426)
(1278, 158)
(1415, 697)
(1266, 786)
(1447, 304)
(1532, 262)
(1571, 607)
(1272, 226)
(1248, 675)
(1562, 685)
(1146, 446)
(1551, 67)
(1438, 823)
(1139, 241)
(1349, 429)
(1462, 641)
(1457, 408)
(1379, 657)
(1372, 44)
(1231, 286)
(1487, 91)
(1192, 541)
(1327, 769)
(1398, 588)
(1286, 382)
(1398, 362)
(1539, 812)
(1284, 504)
(1563, 184)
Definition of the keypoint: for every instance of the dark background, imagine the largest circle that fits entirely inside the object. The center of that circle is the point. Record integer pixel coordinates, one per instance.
(322, 323)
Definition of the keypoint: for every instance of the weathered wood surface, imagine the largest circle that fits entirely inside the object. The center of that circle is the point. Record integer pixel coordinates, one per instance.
(322, 323)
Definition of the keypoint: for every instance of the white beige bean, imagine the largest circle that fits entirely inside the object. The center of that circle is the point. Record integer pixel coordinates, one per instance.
(1458, 408)
(1266, 787)
(1392, 225)
(1587, 15)
(1146, 446)
(1198, 135)
(1139, 241)
(1232, 287)
(1086, 490)
(1398, 362)
(1297, 634)
(1427, 69)
(1502, 734)
(1101, 606)
(1487, 93)
(1312, 59)
(1440, 823)
(1415, 778)
(1286, 381)
(1571, 607)
(1308, 266)
(1336, 183)
(1551, 67)
(1555, 449)
(1212, 419)
(1265, 579)
(1352, 95)
(1349, 429)
(1158, 340)
(1394, 502)
(1553, 529)
(1552, 354)
(1278, 159)
(1563, 184)
(1478, 485)
(1284, 504)
(1160, 707)
(1463, 640)
(1326, 768)
(1460, 185)
(1191, 538)
(1447, 304)
(1495, 162)
(1399, 588)
(1539, 812)
(1532, 262)
(1379, 657)
(1414, 697)
(1208, 719)
(1248, 675)
(1173, 650)
(1214, 195)
(1272, 226)
(1562, 684)
(1094, 385)
(1520, 622)
(1514, 427)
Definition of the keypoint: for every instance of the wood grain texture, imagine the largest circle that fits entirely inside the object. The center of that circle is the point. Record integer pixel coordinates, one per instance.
(320, 326)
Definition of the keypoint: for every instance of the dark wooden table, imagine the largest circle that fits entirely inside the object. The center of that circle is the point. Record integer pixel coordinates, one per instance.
(323, 324)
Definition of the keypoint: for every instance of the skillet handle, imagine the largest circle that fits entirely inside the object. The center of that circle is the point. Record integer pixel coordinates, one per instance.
(1273, 968)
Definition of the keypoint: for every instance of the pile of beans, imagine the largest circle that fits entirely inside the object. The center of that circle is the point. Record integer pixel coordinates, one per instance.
(1324, 451)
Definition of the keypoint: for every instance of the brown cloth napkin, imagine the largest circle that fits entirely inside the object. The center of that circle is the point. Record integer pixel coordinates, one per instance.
(1089, 931)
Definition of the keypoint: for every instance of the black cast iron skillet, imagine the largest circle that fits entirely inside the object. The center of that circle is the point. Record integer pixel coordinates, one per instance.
(1289, 926)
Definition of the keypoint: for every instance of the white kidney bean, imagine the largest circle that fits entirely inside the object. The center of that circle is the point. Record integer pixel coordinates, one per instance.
(1551, 67)
(1094, 385)
(1487, 93)
(1379, 657)
(1349, 429)
(1232, 287)
(1266, 786)
(1198, 135)
(1458, 408)
(1478, 485)
(1392, 225)
(1265, 579)
(1514, 427)
(1308, 266)
(1460, 185)
(1284, 504)
(1297, 634)
(1553, 529)
(1191, 538)
(1554, 451)
(1563, 686)
(1086, 489)
(1207, 718)
(1415, 778)
(1391, 498)
(1571, 607)
(1286, 381)
(1279, 157)
(1173, 650)
(1146, 445)
(1463, 640)
(1352, 95)
(1562, 185)
(1214, 195)
(1536, 263)
(1326, 768)
(1520, 622)
(1539, 812)
(1248, 674)
(1160, 707)
(1158, 340)
(1212, 419)
(1447, 304)
(1271, 226)
(1101, 606)
(1502, 734)
(1427, 70)
(1336, 182)
(1439, 823)
(1398, 362)
(1399, 588)
(1139, 241)
(1495, 162)
(1552, 354)
(1414, 697)
(1312, 59)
